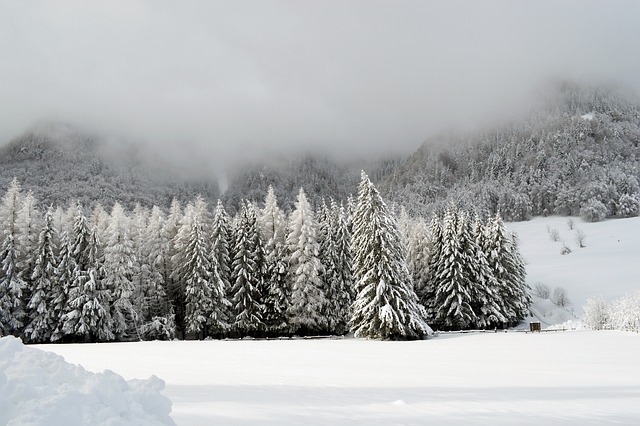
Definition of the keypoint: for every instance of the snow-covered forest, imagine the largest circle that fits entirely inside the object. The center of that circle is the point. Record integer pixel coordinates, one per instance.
(74, 275)
(575, 155)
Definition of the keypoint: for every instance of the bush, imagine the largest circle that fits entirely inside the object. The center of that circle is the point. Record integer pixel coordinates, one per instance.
(554, 234)
(565, 249)
(542, 290)
(559, 297)
(628, 206)
(593, 211)
(596, 314)
(580, 238)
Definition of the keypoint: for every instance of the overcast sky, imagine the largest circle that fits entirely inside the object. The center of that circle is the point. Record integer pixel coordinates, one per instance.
(220, 79)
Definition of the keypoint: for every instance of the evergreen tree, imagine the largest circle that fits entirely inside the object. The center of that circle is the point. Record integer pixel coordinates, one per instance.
(205, 300)
(87, 317)
(12, 286)
(156, 250)
(41, 305)
(119, 261)
(427, 289)
(179, 232)
(276, 298)
(27, 226)
(221, 241)
(248, 277)
(308, 300)
(455, 279)
(508, 269)
(61, 290)
(386, 306)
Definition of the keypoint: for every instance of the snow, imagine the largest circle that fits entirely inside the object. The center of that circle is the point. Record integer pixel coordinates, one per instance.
(587, 117)
(40, 388)
(572, 377)
(608, 267)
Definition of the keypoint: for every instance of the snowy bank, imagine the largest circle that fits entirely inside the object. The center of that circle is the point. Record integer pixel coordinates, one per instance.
(41, 388)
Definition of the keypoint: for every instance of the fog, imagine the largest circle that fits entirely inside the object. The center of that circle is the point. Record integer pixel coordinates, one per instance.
(218, 81)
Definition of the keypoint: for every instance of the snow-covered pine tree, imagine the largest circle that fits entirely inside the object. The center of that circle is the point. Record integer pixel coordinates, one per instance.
(63, 282)
(523, 300)
(87, 316)
(455, 280)
(28, 227)
(43, 320)
(248, 307)
(486, 301)
(508, 269)
(220, 247)
(336, 277)
(427, 289)
(205, 299)
(179, 233)
(343, 261)
(12, 285)
(418, 258)
(158, 321)
(119, 268)
(140, 279)
(308, 300)
(276, 299)
(386, 306)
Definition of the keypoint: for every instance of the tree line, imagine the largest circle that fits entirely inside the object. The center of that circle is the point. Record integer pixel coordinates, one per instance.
(69, 275)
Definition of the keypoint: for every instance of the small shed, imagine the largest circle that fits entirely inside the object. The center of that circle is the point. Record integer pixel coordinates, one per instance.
(535, 326)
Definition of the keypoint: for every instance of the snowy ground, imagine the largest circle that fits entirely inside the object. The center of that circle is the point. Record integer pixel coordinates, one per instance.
(579, 377)
(510, 378)
(608, 267)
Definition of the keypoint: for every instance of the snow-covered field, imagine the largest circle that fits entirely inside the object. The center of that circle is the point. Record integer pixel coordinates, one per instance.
(609, 265)
(580, 378)
(573, 377)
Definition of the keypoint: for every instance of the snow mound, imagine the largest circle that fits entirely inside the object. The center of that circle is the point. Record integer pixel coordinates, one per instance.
(41, 388)
(587, 117)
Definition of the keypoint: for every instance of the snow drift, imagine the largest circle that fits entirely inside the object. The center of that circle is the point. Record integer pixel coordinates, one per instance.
(41, 388)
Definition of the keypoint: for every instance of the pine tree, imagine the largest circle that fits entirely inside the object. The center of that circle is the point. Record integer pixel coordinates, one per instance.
(221, 242)
(27, 226)
(119, 261)
(247, 274)
(41, 305)
(87, 317)
(12, 285)
(179, 234)
(61, 290)
(386, 306)
(272, 231)
(308, 300)
(455, 279)
(427, 289)
(508, 269)
(205, 300)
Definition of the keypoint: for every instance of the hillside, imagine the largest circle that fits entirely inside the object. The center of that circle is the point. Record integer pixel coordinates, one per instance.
(60, 163)
(577, 154)
(607, 267)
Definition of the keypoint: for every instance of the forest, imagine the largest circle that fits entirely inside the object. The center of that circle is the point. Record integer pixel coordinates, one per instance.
(195, 272)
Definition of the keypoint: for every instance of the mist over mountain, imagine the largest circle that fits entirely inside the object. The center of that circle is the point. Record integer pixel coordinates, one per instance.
(60, 164)
(576, 154)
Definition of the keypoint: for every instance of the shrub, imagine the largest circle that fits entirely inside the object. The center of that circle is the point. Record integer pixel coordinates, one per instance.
(559, 297)
(593, 211)
(542, 290)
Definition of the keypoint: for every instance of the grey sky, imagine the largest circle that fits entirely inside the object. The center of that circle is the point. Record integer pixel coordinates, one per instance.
(218, 79)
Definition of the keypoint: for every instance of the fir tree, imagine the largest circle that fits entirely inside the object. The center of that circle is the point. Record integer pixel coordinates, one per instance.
(308, 300)
(87, 317)
(41, 305)
(386, 306)
(61, 290)
(119, 261)
(221, 241)
(205, 299)
(276, 299)
(247, 273)
(12, 286)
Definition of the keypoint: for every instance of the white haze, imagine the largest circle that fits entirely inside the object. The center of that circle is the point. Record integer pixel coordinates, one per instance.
(216, 81)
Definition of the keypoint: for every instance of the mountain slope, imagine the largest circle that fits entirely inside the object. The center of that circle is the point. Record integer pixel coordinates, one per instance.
(60, 164)
(577, 154)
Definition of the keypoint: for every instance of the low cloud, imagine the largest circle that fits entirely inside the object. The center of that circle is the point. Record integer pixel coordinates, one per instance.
(229, 80)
